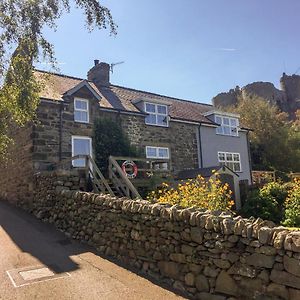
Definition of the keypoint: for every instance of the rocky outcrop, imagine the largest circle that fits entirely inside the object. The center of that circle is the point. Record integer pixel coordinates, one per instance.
(287, 98)
(264, 90)
(228, 98)
(203, 254)
(290, 84)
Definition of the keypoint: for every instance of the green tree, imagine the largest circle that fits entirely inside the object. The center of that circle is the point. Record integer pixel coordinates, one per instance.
(109, 139)
(22, 42)
(275, 140)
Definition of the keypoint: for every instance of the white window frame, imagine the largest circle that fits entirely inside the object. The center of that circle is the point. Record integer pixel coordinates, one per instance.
(79, 137)
(220, 130)
(156, 113)
(82, 110)
(157, 151)
(230, 161)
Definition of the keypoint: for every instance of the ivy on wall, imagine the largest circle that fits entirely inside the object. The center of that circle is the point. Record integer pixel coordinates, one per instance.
(109, 139)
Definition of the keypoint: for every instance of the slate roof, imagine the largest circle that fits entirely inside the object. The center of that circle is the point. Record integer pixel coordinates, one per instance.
(121, 98)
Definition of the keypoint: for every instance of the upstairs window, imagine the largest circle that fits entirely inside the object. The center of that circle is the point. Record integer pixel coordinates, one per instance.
(228, 125)
(231, 160)
(157, 114)
(81, 110)
(157, 152)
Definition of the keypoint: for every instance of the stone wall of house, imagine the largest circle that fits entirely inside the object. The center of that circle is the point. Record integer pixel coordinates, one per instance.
(180, 138)
(203, 254)
(16, 171)
(46, 136)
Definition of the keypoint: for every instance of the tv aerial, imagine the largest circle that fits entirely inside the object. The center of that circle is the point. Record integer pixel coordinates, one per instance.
(112, 65)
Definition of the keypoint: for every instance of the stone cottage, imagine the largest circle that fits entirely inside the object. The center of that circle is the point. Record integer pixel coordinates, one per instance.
(190, 135)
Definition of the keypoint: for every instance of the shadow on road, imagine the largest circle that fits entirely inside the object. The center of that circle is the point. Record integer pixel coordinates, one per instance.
(48, 245)
(40, 240)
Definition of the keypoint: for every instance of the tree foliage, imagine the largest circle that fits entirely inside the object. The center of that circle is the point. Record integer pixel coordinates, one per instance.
(274, 139)
(22, 43)
(109, 139)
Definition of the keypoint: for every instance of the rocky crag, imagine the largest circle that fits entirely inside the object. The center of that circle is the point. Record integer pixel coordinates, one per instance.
(287, 98)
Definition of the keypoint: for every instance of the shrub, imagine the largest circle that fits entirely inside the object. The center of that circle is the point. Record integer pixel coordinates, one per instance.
(262, 206)
(197, 192)
(109, 139)
(292, 206)
(267, 202)
(276, 190)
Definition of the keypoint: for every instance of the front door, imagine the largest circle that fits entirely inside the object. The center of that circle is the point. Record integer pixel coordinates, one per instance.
(81, 145)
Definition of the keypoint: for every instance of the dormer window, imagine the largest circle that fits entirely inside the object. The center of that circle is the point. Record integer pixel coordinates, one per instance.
(228, 125)
(157, 114)
(81, 110)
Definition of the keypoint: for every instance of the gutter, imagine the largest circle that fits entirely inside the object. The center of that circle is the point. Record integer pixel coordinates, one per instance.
(249, 157)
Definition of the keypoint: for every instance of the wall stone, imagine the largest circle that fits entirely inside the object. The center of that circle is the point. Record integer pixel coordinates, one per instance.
(48, 184)
(16, 180)
(180, 138)
(203, 254)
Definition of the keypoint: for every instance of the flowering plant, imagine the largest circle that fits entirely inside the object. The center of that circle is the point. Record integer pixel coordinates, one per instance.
(210, 194)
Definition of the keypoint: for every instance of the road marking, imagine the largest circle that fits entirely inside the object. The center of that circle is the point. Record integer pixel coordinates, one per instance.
(13, 282)
(36, 274)
(33, 274)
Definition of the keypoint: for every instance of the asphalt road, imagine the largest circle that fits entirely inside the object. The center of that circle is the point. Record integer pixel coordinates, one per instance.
(27, 244)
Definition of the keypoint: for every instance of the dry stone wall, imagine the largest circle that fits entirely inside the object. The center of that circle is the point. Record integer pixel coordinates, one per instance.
(48, 184)
(203, 254)
(16, 172)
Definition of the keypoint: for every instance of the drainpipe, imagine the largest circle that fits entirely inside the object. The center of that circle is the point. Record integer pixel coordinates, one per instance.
(249, 157)
(61, 109)
(200, 157)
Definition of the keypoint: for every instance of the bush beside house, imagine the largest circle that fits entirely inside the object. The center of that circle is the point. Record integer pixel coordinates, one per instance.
(275, 201)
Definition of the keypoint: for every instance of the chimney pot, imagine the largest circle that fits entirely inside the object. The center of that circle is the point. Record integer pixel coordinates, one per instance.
(99, 73)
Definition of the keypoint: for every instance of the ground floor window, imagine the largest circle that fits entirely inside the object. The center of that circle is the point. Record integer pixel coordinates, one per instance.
(157, 152)
(231, 160)
(81, 145)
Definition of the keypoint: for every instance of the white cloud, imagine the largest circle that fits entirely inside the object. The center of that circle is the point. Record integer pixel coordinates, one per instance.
(227, 49)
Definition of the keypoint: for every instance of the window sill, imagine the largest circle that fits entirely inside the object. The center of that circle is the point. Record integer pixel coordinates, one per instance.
(229, 135)
(156, 125)
(82, 122)
(161, 158)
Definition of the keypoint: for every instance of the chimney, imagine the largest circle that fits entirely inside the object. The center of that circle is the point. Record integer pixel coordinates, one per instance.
(99, 73)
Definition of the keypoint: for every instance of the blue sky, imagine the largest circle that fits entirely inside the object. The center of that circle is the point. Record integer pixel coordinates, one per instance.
(190, 49)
